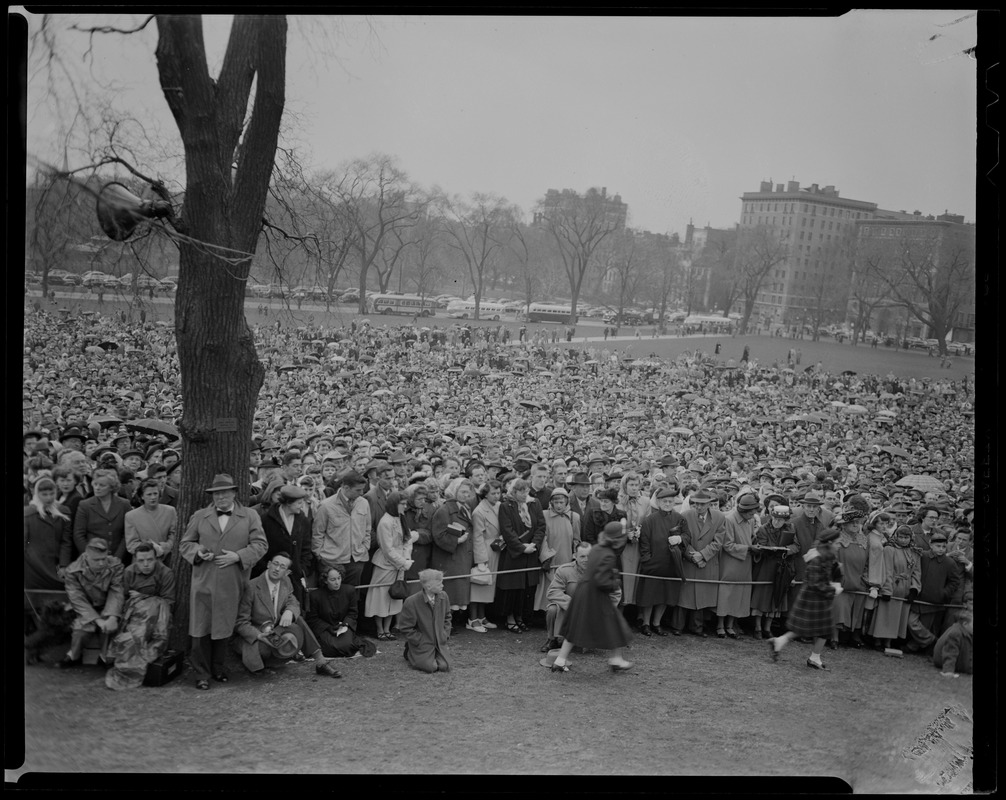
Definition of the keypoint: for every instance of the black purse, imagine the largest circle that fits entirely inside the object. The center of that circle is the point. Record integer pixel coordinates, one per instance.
(498, 544)
(399, 590)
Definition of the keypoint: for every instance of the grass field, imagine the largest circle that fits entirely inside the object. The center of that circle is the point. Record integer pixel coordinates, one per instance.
(700, 707)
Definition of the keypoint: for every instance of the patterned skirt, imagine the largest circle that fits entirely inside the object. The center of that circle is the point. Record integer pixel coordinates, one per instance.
(811, 614)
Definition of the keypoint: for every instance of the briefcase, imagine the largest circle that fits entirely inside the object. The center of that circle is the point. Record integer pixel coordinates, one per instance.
(166, 668)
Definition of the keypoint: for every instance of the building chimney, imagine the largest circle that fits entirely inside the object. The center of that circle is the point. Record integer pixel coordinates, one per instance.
(766, 186)
(793, 186)
(778, 187)
(813, 188)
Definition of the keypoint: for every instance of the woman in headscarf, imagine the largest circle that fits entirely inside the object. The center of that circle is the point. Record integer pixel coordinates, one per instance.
(661, 548)
(636, 508)
(592, 620)
(522, 526)
(901, 582)
(47, 538)
(850, 605)
(452, 542)
(391, 560)
(771, 601)
(485, 522)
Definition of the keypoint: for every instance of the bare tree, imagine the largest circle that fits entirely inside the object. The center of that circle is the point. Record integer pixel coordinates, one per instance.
(577, 226)
(523, 247)
(376, 197)
(828, 287)
(869, 291)
(759, 250)
(475, 229)
(934, 277)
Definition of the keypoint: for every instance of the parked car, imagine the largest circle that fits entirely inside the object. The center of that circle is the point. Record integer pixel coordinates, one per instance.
(960, 348)
(351, 296)
(261, 289)
(916, 343)
(167, 285)
(111, 282)
(93, 278)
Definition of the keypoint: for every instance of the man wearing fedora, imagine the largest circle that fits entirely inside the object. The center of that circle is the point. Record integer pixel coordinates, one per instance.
(807, 524)
(581, 501)
(269, 609)
(222, 542)
(703, 535)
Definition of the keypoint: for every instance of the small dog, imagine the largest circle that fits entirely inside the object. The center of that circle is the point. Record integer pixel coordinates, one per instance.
(55, 618)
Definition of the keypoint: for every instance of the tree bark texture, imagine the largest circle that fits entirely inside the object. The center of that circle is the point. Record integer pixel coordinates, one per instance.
(229, 156)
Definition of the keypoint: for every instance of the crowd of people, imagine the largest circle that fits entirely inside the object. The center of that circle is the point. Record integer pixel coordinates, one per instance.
(483, 471)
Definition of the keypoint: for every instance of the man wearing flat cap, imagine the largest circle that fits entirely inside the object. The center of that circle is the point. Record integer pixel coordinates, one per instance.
(940, 577)
(222, 542)
(94, 589)
(807, 524)
(287, 530)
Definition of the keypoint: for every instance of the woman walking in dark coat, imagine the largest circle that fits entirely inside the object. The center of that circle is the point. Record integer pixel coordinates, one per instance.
(592, 620)
(811, 614)
(661, 548)
(522, 526)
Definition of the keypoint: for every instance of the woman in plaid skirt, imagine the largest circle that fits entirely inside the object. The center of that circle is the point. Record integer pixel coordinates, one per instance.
(811, 614)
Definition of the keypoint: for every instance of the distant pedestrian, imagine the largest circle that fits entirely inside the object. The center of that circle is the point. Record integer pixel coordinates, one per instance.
(799, 355)
(718, 347)
(606, 332)
(746, 355)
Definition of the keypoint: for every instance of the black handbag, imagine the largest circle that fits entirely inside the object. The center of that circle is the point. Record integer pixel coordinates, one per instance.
(399, 590)
(498, 544)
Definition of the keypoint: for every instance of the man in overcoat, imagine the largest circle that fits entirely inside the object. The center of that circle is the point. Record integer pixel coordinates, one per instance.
(560, 592)
(807, 524)
(425, 623)
(940, 577)
(222, 542)
(703, 537)
(269, 606)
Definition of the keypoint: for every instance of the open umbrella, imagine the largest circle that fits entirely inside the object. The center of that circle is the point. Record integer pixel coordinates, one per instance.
(287, 367)
(366, 358)
(634, 414)
(856, 409)
(104, 420)
(454, 370)
(163, 324)
(529, 404)
(382, 392)
(923, 483)
(886, 412)
(154, 426)
(689, 396)
(848, 372)
(681, 431)
(592, 361)
(895, 451)
(702, 401)
(338, 359)
(312, 359)
(838, 404)
(94, 349)
(547, 374)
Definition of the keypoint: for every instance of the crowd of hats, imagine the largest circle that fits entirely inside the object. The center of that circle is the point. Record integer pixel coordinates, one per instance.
(415, 395)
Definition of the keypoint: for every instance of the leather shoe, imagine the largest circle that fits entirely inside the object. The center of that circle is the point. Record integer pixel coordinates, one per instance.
(701, 634)
(645, 630)
(559, 668)
(675, 632)
(203, 685)
(620, 667)
(658, 630)
(732, 634)
(221, 678)
(816, 664)
(326, 668)
(71, 663)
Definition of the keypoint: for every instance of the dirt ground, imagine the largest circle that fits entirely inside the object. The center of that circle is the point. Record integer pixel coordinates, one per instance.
(696, 707)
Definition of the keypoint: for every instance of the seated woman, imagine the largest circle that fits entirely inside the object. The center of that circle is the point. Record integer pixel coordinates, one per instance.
(332, 615)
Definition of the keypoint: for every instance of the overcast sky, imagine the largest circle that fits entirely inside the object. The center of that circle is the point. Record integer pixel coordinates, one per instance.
(678, 115)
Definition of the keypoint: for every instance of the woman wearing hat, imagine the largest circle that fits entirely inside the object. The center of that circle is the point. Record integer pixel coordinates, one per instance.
(661, 549)
(592, 620)
(522, 526)
(852, 548)
(287, 530)
(811, 614)
(902, 578)
(734, 598)
(772, 568)
(452, 543)
(606, 511)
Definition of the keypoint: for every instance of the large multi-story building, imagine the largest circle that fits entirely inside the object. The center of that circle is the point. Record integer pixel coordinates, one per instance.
(817, 227)
(893, 238)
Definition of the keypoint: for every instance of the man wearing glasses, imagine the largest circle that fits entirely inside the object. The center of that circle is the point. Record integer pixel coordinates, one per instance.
(269, 612)
(922, 531)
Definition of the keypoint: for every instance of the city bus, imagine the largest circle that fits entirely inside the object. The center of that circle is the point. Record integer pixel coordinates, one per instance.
(410, 304)
(549, 312)
(465, 309)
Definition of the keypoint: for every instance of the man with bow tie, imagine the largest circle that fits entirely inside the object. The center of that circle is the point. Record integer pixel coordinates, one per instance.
(222, 542)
